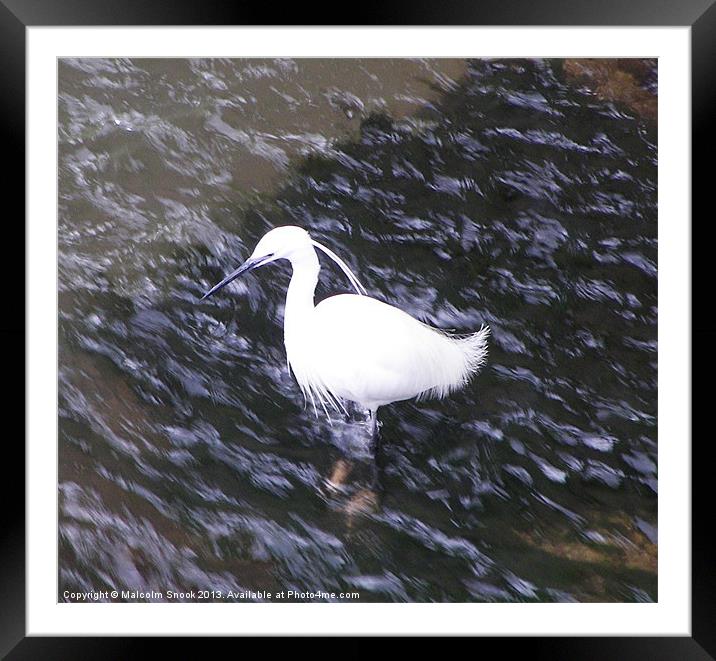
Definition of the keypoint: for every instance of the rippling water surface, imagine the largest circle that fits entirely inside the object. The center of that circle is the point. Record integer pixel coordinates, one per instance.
(513, 193)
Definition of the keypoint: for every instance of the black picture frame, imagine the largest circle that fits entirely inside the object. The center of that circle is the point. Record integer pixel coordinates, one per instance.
(16, 15)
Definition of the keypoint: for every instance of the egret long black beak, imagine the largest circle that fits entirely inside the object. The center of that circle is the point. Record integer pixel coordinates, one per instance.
(248, 265)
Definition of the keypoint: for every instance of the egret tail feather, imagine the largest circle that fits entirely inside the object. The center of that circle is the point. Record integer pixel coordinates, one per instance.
(466, 355)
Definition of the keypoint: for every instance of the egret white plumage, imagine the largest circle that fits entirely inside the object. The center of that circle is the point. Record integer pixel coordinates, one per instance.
(354, 347)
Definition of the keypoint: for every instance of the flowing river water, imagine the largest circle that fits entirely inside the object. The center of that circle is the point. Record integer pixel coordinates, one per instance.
(515, 193)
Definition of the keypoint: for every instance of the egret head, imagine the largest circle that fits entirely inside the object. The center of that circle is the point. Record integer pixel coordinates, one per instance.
(286, 242)
(279, 243)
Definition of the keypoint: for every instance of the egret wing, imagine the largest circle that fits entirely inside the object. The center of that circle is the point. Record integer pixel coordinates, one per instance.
(376, 353)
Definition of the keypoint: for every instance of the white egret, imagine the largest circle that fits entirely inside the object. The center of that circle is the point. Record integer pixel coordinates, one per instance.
(354, 347)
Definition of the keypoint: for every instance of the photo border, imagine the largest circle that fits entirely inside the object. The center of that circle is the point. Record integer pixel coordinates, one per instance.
(17, 15)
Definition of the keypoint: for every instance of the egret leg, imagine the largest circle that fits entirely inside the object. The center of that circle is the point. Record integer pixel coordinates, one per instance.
(374, 430)
(339, 473)
(375, 448)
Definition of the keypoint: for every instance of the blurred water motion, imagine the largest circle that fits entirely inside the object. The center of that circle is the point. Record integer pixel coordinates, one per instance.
(516, 193)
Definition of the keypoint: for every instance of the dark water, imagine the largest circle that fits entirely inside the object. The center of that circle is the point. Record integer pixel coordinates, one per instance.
(501, 192)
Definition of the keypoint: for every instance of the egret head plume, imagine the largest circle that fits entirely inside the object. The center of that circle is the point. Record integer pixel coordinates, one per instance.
(343, 266)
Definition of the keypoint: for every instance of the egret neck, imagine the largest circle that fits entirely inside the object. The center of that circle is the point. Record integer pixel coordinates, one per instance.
(299, 297)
